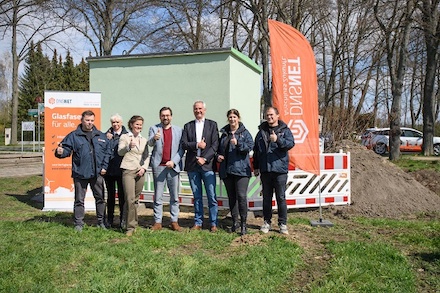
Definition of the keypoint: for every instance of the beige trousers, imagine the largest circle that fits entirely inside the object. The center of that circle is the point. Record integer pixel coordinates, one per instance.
(133, 186)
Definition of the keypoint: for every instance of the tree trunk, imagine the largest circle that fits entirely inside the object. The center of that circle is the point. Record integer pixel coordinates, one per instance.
(431, 23)
(15, 62)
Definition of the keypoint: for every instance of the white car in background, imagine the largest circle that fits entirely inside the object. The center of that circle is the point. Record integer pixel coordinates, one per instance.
(367, 134)
(411, 140)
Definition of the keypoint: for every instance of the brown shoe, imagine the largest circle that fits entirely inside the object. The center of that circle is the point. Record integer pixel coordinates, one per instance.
(196, 227)
(175, 227)
(214, 229)
(156, 227)
(129, 233)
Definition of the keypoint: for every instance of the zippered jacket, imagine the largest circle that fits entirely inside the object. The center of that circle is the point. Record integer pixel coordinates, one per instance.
(236, 160)
(88, 158)
(114, 166)
(272, 156)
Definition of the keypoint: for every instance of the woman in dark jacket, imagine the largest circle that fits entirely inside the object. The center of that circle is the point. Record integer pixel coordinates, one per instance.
(235, 170)
(113, 176)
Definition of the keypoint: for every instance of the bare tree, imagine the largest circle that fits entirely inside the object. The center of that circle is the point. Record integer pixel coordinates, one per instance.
(394, 19)
(109, 23)
(189, 25)
(24, 21)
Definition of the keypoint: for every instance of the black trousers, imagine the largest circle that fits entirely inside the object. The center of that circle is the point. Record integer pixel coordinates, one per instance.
(111, 182)
(236, 187)
(274, 182)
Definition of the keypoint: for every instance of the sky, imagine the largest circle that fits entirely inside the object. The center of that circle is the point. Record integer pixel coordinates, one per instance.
(78, 47)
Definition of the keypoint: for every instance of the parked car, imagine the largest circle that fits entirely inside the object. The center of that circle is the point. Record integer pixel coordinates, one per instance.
(367, 134)
(411, 140)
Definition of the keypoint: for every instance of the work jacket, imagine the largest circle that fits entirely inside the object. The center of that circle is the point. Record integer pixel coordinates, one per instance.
(236, 157)
(272, 156)
(88, 158)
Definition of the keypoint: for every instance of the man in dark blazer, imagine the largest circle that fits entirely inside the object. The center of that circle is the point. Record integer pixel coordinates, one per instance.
(200, 141)
(166, 162)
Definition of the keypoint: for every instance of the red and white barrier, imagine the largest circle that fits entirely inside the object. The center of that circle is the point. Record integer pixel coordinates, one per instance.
(303, 190)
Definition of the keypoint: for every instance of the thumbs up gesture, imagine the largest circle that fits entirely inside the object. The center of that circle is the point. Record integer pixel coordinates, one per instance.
(157, 135)
(60, 149)
(132, 143)
(202, 144)
(273, 136)
(233, 139)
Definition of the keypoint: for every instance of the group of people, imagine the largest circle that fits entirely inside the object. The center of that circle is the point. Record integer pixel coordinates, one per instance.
(119, 157)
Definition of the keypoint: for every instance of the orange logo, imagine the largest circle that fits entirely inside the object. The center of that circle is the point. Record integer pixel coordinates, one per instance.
(52, 101)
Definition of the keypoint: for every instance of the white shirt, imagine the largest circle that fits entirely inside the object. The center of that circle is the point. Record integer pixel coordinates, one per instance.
(199, 133)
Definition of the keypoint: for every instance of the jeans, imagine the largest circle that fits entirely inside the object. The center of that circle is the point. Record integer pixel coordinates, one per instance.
(236, 187)
(163, 175)
(97, 186)
(274, 182)
(111, 182)
(209, 181)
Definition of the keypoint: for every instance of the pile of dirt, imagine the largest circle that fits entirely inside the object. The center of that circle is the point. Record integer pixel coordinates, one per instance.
(381, 189)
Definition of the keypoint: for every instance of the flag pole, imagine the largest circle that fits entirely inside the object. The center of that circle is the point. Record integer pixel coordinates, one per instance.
(321, 222)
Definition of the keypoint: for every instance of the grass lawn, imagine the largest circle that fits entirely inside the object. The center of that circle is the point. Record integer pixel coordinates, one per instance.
(41, 252)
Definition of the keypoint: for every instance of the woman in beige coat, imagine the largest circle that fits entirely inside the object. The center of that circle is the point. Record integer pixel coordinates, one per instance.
(133, 147)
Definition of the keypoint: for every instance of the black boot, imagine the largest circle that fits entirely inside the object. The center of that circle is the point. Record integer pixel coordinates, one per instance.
(234, 226)
(243, 229)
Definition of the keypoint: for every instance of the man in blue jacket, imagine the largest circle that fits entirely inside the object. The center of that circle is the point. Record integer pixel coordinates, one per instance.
(271, 161)
(89, 149)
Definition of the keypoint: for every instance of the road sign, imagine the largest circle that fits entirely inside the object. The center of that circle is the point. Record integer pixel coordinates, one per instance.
(40, 108)
(28, 126)
(32, 112)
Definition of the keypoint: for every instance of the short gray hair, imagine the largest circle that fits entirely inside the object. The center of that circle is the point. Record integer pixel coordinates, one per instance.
(199, 101)
(115, 116)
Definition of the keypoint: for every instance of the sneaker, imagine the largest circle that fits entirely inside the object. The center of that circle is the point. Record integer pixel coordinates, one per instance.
(78, 228)
(283, 229)
(102, 226)
(265, 228)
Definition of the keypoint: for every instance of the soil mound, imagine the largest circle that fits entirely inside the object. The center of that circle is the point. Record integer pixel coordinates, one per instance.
(381, 189)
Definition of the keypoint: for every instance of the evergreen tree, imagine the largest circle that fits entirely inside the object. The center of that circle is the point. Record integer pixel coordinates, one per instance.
(34, 81)
(56, 73)
(70, 76)
(83, 76)
(42, 74)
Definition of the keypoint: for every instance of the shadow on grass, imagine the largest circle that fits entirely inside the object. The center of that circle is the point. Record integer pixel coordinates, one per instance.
(35, 199)
(30, 198)
(432, 257)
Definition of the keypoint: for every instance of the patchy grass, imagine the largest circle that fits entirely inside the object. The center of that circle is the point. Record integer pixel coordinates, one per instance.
(41, 252)
(411, 163)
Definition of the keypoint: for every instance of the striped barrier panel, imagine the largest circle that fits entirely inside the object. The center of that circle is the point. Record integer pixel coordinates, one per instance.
(303, 189)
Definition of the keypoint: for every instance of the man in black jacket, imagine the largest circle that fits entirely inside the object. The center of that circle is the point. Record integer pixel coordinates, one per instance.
(200, 141)
(271, 161)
